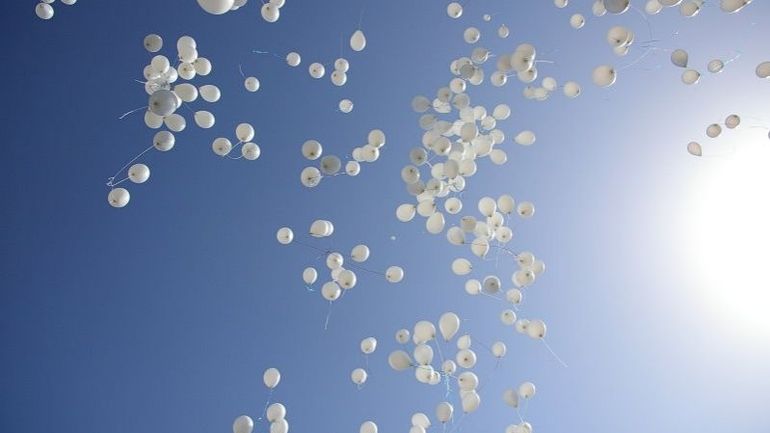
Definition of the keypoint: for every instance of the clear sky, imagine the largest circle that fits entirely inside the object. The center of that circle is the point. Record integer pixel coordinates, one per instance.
(163, 315)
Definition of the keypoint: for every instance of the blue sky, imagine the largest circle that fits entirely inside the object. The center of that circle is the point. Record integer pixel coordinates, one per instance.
(163, 315)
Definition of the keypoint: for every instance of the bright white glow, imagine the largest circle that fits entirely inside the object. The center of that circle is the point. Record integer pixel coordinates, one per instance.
(728, 236)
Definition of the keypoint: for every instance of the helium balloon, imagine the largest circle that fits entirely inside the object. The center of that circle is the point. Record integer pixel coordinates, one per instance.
(713, 130)
(598, 8)
(448, 324)
(499, 349)
(316, 70)
(341, 65)
(368, 345)
(525, 209)
(221, 146)
(444, 412)
(285, 235)
(118, 197)
(210, 93)
(454, 10)
(310, 177)
(345, 105)
(163, 103)
(271, 377)
(604, 76)
(309, 275)
(399, 360)
(471, 402)
(571, 89)
(514, 296)
(216, 7)
(352, 168)
(202, 66)
(153, 43)
(511, 398)
(406, 212)
(44, 11)
(293, 59)
(525, 138)
(279, 426)
(421, 420)
(358, 41)
(733, 6)
(653, 7)
(679, 58)
(503, 31)
(424, 331)
(715, 66)
(376, 138)
(732, 121)
(394, 274)
(163, 141)
(536, 329)
(251, 84)
(616, 6)
(358, 376)
(331, 291)
(466, 358)
(402, 336)
(275, 412)
(250, 151)
(763, 70)
(508, 317)
(204, 119)
(270, 12)
(690, 8)
(423, 354)
(468, 381)
(471, 35)
(139, 173)
(461, 266)
(577, 21)
(527, 390)
(330, 165)
(243, 424)
(690, 77)
(694, 148)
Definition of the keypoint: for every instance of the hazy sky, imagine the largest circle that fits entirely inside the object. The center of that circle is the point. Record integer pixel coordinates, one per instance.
(163, 315)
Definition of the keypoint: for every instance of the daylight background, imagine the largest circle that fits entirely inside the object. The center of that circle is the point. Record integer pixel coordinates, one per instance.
(163, 315)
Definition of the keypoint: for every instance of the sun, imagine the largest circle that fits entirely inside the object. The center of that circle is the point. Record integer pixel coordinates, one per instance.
(727, 234)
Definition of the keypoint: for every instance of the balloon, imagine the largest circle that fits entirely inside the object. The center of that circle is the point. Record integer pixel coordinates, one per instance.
(202, 66)
(293, 59)
(527, 390)
(690, 76)
(473, 287)
(732, 121)
(487, 206)
(139, 173)
(44, 11)
(279, 426)
(352, 168)
(216, 7)
(604, 76)
(423, 354)
(309, 275)
(341, 65)
(763, 70)
(713, 130)
(466, 358)
(525, 209)
(118, 197)
(345, 105)
(399, 360)
(376, 138)
(571, 89)
(402, 336)
(210, 93)
(468, 381)
(424, 331)
(616, 6)
(464, 342)
(690, 8)
(331, 291)
(511, 398)
(243, 424)
(454, 10)
(598, 8)
(444, 412)
(394, 274)
(358, 376)
(577, 21)
(715, 66)
(499, 349)
(525, 138)
(508, 317)
(536, 329)
(461, 266)
(521, 326)
(339, 78)
(163, 103)
(419, 419)
(471, 35)
(435, 223)
(514, 296)
(653, 7)
(186, 92)
(358, 41)
(406, 212)
(503, 31)
(275, 412)
(491, 284)
(368, 345)
(204, 119)
(448, 324)
(153, 43)
(251, 84)
(471, 402)
(163, 141)
(250, 151)
(221, 146)
(330, 165)
(270, 12)
(271, 378)
(733, 6)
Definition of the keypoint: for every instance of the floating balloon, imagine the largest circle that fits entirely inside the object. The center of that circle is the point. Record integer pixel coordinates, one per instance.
(358, 41)
(271, 377)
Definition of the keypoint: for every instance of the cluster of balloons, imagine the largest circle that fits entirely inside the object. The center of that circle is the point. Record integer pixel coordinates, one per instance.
(331, 165)
(340, 277)
(271, 10)
(163, 102)
(359, 375)
(458, 370)
(275, 413)
(714, 130)
(45, 11)
(244, 132)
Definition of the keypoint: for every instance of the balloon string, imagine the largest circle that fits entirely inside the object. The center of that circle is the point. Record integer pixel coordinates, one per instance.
(438, 348)
(459, 423)
(240, 69)
(267, 403)
(361, 15)
(110, 180)
(554, 354)
(309, 289)
(328, 316)
(122, 116)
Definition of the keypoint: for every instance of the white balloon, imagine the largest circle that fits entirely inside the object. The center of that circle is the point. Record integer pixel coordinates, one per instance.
(454, 10)
(713, 130)
(204, 119)
(402, 336)
(461, 266)
(251, 84)
(118, 197)
(275, 412)
(399, 360)
(331, 291)
(216, 7)
(508, 317)
(499, 349)
(449, 324)
(511, 398)
(358, 41)
(423, 354)
(394, 274)
(536, 329)
(471, 402)
(732, 121)
(763, 70)
(271, 377)
(279, 426)
(368, 345)
(358, 376)
(527, 390)
(243, 424)
(466, 358)
(270, 12)
(139, 173)
(421, 420)
(604, 76)
(690, 77)
(309, 275)
(424, 331)
(577, 21)
(310, 177)
(293, 59)
(210, 93)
